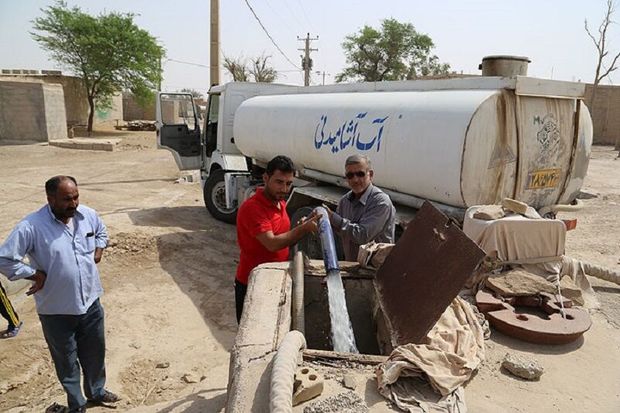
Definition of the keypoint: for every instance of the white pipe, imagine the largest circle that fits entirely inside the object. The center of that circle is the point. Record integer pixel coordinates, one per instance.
(601, 272)
(561, 208)
(298, 315)
(283, 372)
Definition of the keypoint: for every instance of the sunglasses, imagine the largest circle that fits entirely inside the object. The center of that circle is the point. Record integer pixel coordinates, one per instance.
(359, 174)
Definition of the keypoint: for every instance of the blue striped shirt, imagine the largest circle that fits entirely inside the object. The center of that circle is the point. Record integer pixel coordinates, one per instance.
(66, 255)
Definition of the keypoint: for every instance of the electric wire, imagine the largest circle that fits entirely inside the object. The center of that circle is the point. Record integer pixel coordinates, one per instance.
(269, 35)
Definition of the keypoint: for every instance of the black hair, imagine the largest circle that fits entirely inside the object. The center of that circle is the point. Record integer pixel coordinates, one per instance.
(280, 163)
(51, 186)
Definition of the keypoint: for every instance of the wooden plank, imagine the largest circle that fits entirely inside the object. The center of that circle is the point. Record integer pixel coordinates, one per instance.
(333, 356)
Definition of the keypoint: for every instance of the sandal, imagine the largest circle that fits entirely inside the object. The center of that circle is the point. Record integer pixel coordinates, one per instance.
(12, 332)
(106, 398)
(57, 408)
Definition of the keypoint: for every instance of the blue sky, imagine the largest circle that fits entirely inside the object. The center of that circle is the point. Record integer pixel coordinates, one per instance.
(550, 32)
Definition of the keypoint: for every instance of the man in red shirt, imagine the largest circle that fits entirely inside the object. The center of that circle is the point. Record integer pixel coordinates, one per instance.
(263, 227)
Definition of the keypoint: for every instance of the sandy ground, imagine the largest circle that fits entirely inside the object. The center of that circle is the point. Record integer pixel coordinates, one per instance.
(169, 299)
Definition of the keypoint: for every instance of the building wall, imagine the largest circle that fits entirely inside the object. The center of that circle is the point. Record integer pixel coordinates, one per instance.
(133, 111)
(605, 113)
(55, 113)
(31, 112)
(76, 101)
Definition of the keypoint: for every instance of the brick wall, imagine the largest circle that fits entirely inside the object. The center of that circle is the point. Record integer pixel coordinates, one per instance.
(31, 112)
(605, 114)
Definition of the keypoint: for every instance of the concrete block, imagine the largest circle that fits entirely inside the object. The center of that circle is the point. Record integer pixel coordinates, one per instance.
(515, 206)
(308, 385)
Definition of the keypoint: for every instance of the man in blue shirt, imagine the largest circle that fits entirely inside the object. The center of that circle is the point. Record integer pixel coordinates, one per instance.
(63, 242)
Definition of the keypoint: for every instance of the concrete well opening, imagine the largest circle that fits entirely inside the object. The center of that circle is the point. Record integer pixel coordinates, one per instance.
(361, 303)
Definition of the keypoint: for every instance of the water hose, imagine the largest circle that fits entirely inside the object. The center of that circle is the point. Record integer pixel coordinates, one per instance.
(298, 316)
(283, 372)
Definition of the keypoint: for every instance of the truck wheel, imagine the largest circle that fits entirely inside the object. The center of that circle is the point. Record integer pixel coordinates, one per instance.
(215, 198)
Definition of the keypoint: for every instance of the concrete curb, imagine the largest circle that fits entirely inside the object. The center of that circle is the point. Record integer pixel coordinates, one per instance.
(93, 144)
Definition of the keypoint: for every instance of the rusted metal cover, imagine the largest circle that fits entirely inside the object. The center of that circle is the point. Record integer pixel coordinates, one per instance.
(426, 269)
(546, 326)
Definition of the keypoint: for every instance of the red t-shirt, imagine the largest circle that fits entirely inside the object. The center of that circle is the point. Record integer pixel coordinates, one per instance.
(256, 216)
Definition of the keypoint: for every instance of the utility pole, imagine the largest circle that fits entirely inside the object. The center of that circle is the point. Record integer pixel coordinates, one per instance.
(160, 75)
(214, 61)
(323, 73)
(306, 62)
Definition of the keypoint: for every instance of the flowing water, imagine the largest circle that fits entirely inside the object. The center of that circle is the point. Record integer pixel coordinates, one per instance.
(342, 331)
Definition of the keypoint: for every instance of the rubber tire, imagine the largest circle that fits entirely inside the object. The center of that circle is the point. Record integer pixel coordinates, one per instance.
(217, 178)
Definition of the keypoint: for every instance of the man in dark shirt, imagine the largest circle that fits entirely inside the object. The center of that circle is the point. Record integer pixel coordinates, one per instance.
(365, 213)
(263, 227)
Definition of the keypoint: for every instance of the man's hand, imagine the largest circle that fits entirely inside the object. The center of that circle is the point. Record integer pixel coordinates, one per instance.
(309, 224)
(98, 254)
(39, 281)
(329, 211)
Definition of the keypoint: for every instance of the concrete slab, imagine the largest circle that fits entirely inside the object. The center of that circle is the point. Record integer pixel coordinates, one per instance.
(266, 320)
(92, 144)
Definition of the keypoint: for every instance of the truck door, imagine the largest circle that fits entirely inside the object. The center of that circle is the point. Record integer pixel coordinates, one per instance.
(211, 124)
(178, 129)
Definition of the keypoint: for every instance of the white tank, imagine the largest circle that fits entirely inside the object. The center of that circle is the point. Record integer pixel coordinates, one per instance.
(457, 147)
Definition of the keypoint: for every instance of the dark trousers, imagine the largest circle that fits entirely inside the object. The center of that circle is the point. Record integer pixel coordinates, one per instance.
(7, 310)
(74, 341)
(240, 291)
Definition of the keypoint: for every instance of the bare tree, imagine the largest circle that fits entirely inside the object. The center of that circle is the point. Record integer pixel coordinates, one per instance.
(261, 70)
(602, 48)
(238, 68)
(195, 94)
(603, 69)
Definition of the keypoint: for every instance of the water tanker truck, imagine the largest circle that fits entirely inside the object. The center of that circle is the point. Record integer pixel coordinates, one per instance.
(456, 142)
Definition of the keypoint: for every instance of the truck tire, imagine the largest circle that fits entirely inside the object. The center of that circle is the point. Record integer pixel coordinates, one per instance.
(214, 193)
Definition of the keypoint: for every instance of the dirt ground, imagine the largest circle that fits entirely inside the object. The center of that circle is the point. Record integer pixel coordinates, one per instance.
(168, 278)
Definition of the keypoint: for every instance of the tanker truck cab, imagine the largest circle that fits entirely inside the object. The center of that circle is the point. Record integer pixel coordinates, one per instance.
(225, 173)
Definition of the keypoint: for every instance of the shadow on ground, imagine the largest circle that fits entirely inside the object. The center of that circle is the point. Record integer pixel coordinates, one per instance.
(201, 258)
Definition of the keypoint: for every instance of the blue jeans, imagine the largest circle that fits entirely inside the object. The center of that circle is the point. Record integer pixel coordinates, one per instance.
(73, 338)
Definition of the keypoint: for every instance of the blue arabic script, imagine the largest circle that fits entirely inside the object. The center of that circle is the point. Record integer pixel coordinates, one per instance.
(349, 134)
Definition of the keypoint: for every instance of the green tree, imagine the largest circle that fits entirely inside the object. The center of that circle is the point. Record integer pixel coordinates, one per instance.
(394, 52)
(109, 52)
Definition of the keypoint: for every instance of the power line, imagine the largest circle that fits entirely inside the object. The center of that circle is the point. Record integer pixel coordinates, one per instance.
(188, 63)
(275, 12)
(305, 15)
(268, 35)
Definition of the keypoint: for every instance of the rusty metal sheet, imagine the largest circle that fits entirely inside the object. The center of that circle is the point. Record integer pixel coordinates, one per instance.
(536, 319)
(426, 269)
